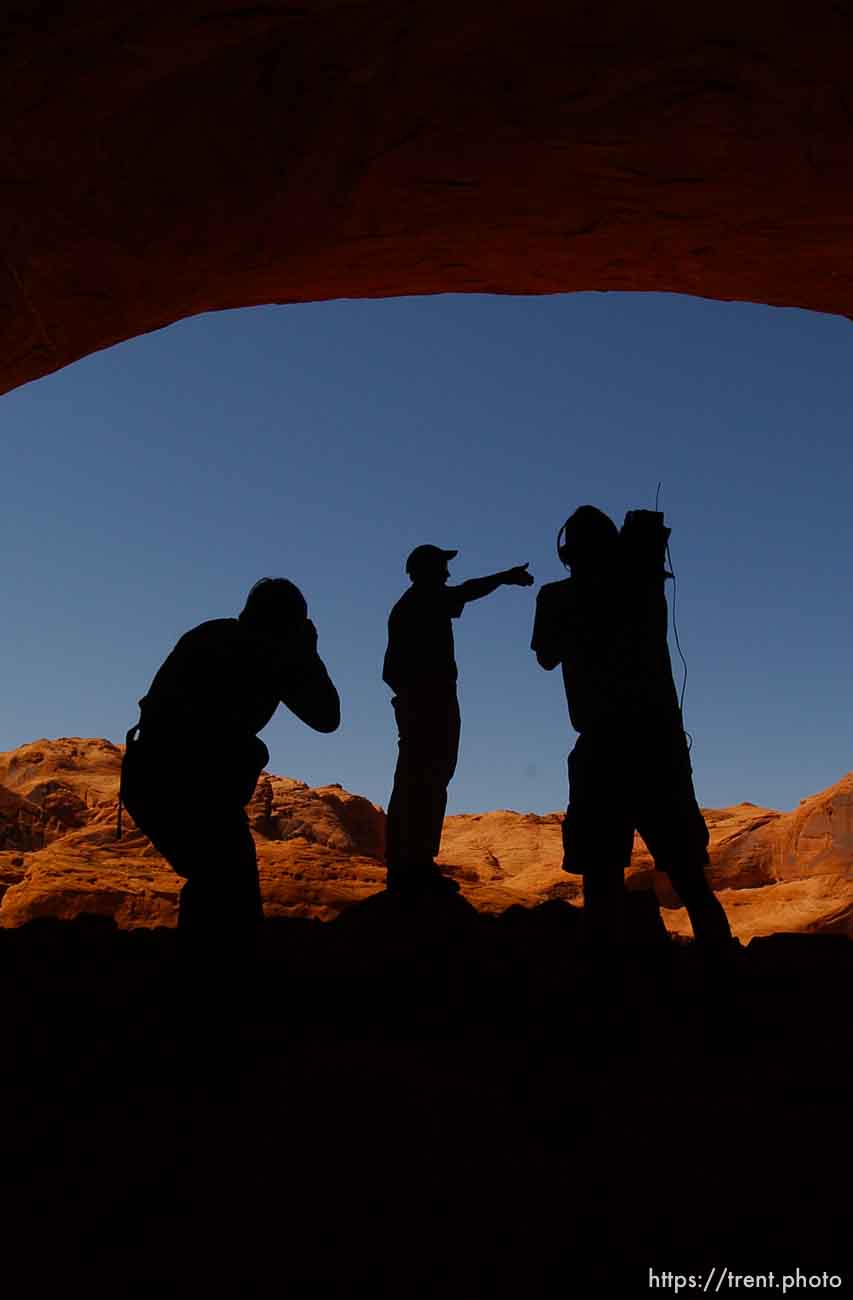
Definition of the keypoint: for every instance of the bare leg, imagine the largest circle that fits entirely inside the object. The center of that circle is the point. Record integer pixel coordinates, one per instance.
(707, 917)
(604, 908)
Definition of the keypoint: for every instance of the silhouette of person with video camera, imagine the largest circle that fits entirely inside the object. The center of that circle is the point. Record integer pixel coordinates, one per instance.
(606, 625)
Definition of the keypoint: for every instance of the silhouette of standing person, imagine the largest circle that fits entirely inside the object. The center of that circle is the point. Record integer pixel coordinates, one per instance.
(420, 668)
(630, 768)
(193, 760)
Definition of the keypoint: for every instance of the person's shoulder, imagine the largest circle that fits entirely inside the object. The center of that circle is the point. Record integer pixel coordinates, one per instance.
(215, 627)
(215, 631)
(556, 601)
(400, 606)
(426, 603)
(419, 599)
(562, 589)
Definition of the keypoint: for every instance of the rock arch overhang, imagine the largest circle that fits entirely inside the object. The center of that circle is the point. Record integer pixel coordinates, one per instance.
(161, 160)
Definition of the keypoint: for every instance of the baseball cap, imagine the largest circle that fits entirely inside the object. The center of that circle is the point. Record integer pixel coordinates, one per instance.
(424, 557)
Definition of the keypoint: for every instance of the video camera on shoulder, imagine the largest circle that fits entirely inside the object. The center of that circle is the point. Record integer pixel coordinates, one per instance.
(643, 537)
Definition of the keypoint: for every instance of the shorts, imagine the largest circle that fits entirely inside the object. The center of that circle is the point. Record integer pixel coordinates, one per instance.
(618, 786)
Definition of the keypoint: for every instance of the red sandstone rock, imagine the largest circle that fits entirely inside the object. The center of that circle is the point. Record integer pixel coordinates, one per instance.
(320, 850)
(164, 160)
(22, 824)
(88, 769)
(773, 871)
(283, 809)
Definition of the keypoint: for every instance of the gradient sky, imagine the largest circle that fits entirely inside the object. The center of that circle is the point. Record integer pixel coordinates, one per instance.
(146, 487)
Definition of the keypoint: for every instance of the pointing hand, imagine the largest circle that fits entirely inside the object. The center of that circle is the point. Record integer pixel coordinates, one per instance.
(519, 577)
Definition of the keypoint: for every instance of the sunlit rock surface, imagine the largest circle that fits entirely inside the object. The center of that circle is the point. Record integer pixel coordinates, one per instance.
(59, 855)
(773, 871)
(321, 849)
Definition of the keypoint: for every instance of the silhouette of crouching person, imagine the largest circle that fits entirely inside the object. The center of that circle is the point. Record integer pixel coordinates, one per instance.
(194, 758)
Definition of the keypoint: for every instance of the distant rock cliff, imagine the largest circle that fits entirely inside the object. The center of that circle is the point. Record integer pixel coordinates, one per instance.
(321, 849)
(773, 871)
(318, 850)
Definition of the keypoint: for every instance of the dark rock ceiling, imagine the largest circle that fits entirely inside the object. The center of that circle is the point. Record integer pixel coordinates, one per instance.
(160, 160)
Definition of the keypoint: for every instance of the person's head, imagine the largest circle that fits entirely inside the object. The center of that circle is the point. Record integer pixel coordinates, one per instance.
(427, 565)
(587, 540)
(274, 607)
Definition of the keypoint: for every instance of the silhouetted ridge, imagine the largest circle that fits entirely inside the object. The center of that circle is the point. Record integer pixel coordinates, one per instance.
(417, 1099)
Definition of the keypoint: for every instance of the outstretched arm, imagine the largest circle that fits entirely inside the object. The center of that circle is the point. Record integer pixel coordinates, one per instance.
(476, 588)
(307, 689)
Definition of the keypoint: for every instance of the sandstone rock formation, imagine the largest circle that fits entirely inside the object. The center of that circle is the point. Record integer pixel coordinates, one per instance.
(164, 160)
(59, 856)
(773, 871)
(321, 849)
(91, 873)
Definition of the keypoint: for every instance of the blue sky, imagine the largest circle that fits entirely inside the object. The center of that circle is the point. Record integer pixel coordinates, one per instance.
(147, 487)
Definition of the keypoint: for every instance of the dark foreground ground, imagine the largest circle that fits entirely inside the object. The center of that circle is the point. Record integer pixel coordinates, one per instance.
(418, 1103)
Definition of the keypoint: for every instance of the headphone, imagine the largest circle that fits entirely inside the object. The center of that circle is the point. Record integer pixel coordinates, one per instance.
(562, 546)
